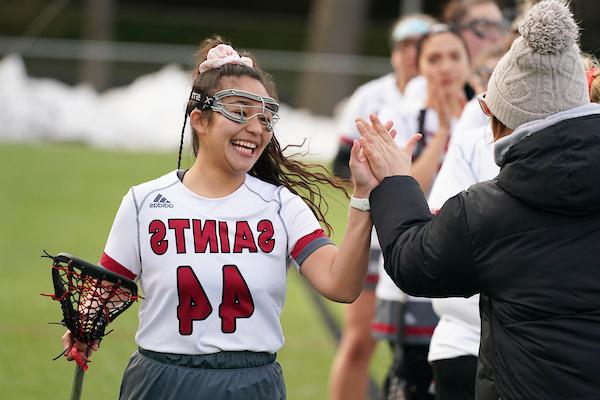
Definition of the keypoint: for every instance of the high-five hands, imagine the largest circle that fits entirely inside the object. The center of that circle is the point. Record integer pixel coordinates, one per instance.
(362, 177)
(384, 156)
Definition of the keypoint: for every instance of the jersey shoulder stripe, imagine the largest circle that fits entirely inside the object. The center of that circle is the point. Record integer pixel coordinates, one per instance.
(308, 244)
(110, 264)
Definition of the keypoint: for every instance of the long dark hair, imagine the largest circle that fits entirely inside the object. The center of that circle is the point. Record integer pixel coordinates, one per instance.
(272, 166)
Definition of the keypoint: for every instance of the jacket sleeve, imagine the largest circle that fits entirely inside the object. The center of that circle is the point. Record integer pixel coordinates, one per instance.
(424, 255)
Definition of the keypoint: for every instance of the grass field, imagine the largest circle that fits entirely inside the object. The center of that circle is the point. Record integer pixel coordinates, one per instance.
(63, 198)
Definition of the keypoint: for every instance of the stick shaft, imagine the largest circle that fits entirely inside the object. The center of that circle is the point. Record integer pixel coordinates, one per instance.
(77, 383)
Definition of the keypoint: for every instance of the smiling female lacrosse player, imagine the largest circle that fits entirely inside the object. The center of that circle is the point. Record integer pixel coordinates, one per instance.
(210, 245)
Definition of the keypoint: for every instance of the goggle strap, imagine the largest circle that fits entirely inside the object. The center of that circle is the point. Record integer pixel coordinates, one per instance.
(206, 102)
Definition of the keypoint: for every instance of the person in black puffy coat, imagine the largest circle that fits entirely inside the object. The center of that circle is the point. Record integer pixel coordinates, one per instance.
(529, 240)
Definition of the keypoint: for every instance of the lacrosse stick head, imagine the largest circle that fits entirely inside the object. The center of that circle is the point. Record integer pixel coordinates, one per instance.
(90, 296)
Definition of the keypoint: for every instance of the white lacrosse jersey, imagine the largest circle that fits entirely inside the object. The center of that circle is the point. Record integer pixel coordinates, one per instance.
(212, 270)
(376, 95)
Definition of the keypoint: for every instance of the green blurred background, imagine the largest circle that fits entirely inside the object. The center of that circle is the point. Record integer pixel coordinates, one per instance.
(63, 198)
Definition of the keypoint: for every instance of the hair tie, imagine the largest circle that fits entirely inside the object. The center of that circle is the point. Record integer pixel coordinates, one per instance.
(223, 54)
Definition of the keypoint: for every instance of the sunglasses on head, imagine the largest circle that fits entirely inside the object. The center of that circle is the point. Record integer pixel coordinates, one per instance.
(439, 28)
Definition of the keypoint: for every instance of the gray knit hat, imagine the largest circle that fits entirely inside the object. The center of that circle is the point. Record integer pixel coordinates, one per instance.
(542, 73)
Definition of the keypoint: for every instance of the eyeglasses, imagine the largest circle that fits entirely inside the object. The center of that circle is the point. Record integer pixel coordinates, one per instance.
(241, 113)
(483, 105)
(486, 28)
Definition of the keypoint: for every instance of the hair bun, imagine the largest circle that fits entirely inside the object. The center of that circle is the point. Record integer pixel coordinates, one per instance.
(549, 27)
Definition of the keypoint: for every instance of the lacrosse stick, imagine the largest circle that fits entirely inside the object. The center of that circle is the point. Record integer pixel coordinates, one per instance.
(90, 297)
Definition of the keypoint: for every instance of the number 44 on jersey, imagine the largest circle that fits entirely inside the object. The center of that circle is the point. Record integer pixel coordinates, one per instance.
(194, 304)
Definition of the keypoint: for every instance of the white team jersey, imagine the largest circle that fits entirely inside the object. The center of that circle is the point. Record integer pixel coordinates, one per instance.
(469, 160)
(472, 117)
(406, 123)
(375, 95)
(212, 271)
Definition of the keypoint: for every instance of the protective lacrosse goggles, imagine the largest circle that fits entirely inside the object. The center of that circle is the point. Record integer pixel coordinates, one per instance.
(241, 111)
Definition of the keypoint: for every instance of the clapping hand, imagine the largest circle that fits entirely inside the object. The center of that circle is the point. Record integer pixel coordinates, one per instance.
(384, 156)
(362, 177)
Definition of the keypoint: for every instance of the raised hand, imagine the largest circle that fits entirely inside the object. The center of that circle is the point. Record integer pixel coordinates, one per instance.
(362, 177)
(448, 103)
(383, 154)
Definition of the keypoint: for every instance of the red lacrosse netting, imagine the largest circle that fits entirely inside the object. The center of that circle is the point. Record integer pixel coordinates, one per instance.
(90, 296)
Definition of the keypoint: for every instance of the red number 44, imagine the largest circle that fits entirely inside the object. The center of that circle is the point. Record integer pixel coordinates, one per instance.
(194, 304)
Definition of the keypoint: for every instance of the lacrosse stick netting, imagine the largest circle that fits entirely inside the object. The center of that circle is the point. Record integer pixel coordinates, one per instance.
(90, 296)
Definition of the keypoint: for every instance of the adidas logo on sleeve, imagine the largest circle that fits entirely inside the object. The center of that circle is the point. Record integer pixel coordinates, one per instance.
(160, 201)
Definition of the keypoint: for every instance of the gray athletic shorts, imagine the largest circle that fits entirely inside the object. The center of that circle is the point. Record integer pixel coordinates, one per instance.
(373, 270)
(412, 322)
(388, 321)
(226, 375)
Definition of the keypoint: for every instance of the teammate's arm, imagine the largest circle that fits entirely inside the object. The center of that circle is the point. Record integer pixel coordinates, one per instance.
(339, 273)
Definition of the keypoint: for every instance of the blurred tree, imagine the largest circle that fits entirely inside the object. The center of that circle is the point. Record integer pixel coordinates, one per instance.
(98, 27)
(352, 27)
(411, 6)
(335, 26)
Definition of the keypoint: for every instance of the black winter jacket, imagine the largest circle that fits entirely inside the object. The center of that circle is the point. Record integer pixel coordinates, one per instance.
(529, 242)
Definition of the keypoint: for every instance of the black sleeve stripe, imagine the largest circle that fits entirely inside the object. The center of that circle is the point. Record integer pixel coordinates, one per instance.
(311, 248)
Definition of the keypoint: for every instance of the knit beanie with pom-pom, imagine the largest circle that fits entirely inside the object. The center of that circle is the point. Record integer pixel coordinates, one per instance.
(543, 72)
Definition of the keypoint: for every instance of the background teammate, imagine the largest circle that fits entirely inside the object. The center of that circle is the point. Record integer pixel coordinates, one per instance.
(349, 373)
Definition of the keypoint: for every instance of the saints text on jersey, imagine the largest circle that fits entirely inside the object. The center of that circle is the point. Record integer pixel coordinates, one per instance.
(207, 237)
